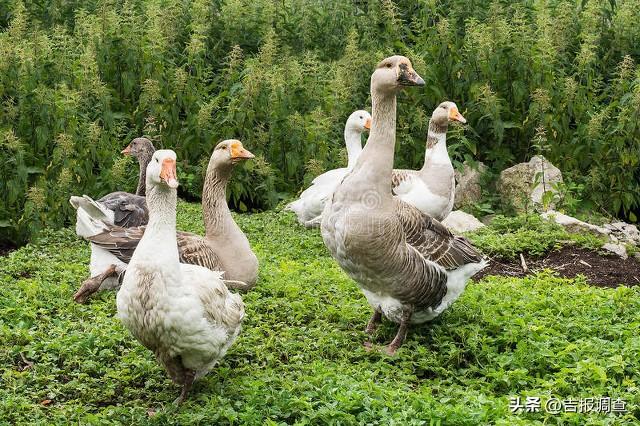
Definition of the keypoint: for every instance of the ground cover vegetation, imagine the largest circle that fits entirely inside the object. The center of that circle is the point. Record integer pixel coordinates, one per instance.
(299, 358)
(79, 79)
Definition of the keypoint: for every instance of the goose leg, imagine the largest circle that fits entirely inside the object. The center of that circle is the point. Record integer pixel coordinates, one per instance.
(189, 376)
(92, 284)
(400, 335)
(375, 320)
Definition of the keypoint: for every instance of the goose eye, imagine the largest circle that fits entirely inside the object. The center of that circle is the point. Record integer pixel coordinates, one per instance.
(223, 147)
(443, 107)
(388, 65)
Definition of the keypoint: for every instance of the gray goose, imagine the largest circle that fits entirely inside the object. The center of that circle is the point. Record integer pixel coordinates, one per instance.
(432, 188)
(223, 248)
(409, 266)
(123, 208)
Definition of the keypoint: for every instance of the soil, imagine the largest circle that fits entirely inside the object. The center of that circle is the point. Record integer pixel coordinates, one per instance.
(599, 269)
(5, 249)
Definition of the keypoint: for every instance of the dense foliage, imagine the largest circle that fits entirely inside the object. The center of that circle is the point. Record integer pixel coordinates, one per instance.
(300, 359)
(80, 78)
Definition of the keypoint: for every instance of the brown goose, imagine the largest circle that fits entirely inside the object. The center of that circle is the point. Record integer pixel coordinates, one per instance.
(123, 208)
(223, 248)
(409, 266)
(432, 188)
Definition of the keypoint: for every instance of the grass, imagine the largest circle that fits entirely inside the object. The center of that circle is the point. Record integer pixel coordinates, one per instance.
(299, 358)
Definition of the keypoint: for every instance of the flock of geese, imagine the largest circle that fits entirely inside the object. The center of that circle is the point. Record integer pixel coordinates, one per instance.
(380, 224)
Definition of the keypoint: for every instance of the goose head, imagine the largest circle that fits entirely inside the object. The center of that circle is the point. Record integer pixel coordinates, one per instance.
(359, 121)
(139, 146)
(445, 112)
(229, 153)
(161, 171)
(394, 73)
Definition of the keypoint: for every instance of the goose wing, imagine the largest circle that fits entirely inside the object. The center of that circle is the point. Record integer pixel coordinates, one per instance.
(129, 209)
(194, 250)
(433, 240)
(119, 241)
(122, 242)
(401, 180)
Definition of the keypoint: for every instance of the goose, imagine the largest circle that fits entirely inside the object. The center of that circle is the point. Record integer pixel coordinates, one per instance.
(183, 313)
(432, 188)
(123, 208)
(408, 265)
(224, 247)
(308, 208)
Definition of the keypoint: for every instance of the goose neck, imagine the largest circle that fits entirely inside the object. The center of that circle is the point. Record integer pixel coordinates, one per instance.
(436, 145)
(354, 146)
(161, 202)
(214, 200)
(378, 153)
(143, 161)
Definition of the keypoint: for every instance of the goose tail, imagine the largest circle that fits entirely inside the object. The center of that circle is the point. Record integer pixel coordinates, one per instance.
(91, 216)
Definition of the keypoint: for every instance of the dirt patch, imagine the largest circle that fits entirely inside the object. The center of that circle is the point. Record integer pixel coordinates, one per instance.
(599, 269)
(5, 249)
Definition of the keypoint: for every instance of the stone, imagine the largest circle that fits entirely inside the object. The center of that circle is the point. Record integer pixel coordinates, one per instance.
(516, 184)
(459, 222)
(618, 249)
(625, 232)
(468, 189)
(573, 225)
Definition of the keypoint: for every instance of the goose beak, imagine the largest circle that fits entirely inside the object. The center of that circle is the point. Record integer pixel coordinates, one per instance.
(409, 77)
(127, 150)
(240, 153)
(367, 124)
(168, 173)
(454, 114)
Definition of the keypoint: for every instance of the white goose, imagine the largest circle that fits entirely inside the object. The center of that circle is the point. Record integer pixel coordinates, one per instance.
(123, 208)
(409, 266)
(183, 313)
(223, 248)
(432, 188)
(308, 208)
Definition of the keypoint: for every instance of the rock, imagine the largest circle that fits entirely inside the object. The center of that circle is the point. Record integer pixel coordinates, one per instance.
(573, 225)
(468, 190)
(516, 189)
(618, 249)
(624, 231)
(459, 222)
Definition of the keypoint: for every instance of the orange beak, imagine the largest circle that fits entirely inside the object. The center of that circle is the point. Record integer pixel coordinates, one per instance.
(454, 114)
(168, 173)
(239, 152)
(127, 150)
(367, 124)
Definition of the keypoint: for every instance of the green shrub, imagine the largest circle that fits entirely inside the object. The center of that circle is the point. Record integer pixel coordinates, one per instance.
(79, 79)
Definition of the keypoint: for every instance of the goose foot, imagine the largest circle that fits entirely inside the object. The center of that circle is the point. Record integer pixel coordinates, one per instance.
(189, 376)
(91, 285)
(400, 335)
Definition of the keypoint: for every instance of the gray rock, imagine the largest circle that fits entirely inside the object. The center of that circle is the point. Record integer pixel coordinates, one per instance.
(516, 189)
(573, 225)
(624, 232)
(468, 189)
(618, 249)
(459, 222)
